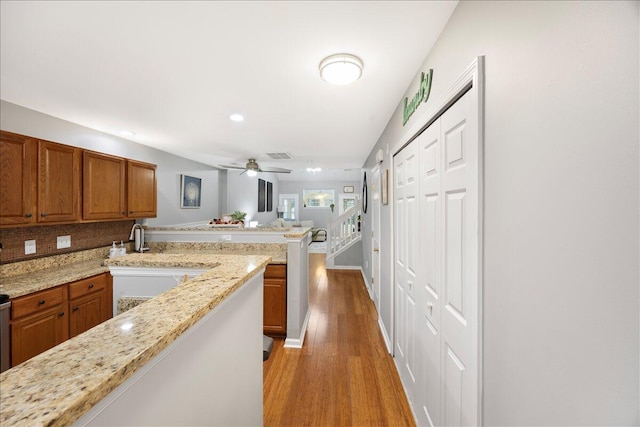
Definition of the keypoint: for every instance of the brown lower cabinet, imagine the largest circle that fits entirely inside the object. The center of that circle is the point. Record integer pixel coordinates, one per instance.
(274, 318)
(44, 319)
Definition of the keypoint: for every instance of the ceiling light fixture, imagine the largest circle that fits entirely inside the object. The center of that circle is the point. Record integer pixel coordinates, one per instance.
(236, 117)
(313, 170)
(341, 69)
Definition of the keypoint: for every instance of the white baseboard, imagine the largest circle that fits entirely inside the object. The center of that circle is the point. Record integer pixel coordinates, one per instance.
(298, 342)
(345, 267)
(385, 336)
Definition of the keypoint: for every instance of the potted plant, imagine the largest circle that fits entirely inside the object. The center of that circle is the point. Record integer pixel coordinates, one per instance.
(238, 217)
(332, 206)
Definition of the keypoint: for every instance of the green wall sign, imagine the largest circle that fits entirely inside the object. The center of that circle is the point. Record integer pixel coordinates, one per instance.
(422, 95)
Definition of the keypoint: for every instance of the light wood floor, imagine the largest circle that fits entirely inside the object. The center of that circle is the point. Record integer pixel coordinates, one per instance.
(343, 375)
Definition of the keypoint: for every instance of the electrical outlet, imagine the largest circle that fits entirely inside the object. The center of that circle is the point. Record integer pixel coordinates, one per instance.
(29, 247)
(64, 242)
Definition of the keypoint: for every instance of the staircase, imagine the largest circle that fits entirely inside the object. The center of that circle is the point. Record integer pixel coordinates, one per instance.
(342, 233)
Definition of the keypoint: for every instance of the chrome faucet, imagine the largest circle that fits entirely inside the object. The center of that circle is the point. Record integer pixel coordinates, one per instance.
(137, 234)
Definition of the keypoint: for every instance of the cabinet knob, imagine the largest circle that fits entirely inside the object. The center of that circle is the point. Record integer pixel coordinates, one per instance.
(61, 314)
(43, 214)
(76, 308)
(123, 213)
(130, 211)
(28, 215)
(41, 302)
(91, 286)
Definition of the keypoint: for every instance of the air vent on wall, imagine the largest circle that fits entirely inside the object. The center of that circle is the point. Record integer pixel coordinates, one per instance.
(280, 156)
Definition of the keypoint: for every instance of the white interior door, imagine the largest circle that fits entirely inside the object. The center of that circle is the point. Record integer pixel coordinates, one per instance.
(428, 395)
(460, 250)
(375, 242)
(437, 243)
(406, 266)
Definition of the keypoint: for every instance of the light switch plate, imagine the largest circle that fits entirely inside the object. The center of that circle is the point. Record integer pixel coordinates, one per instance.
(29, 247)
(64, 242)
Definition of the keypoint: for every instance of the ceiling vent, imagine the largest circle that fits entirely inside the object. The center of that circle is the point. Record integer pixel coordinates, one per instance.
(280, 156)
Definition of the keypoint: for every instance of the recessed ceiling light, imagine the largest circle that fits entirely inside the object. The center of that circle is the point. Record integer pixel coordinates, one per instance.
(341, 69)
(313, 170)
(236, 117)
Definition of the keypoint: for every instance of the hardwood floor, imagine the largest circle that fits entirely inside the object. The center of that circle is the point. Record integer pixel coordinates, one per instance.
(343, 375)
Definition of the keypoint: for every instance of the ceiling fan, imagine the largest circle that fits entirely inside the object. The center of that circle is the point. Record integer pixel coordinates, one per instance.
(252, 168)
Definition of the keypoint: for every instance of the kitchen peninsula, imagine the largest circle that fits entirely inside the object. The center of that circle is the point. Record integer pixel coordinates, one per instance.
(295, 241)
(175, 359)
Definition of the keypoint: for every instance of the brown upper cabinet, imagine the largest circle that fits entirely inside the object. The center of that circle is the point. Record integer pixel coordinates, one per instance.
(58, 182)
(18, 171)
(103, 187)
(141, 190)
(45, 182)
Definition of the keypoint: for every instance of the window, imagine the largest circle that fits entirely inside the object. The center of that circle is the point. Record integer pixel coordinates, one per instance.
(347, 201)
(288, 206)
(318, 198)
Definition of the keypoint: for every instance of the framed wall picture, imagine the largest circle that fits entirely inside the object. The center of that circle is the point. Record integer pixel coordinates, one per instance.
(348, 189)
(262, 194)
(269, 196)
(384, 186)
(190, 191)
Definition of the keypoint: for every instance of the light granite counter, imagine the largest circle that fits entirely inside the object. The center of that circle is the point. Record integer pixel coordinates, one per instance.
(22, 278)
(58, 386)
(286, 232)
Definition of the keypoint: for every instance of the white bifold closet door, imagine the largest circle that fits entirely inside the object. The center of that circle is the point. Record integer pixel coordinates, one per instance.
(436, 269)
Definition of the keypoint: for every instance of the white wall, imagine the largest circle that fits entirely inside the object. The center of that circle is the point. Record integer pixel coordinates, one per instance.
(14, 118)
(319, 216)
(242, 195)
(561, 280)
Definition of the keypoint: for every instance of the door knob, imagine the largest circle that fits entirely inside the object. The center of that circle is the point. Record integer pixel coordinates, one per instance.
(376, 250)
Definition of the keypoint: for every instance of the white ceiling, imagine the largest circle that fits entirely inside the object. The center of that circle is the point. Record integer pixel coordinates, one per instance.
(173, 72)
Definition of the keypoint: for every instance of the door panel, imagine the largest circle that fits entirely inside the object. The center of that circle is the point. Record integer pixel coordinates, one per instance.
(459, 318)
(436, 270)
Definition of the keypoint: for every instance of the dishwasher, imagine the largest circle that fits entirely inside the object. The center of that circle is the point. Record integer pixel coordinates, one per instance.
(5, 343)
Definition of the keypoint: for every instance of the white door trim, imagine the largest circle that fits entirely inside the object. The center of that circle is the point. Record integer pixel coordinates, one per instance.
(472, 80)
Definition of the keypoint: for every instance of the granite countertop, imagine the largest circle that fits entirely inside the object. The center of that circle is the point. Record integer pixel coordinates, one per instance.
(290, 232)
(44, 273)
(27, 283)
(58, 386)
(277, 251)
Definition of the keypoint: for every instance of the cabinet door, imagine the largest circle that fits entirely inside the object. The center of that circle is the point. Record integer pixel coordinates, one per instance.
(141, 190)
(18, 162)
(274, 314)
(58, 182)
(34, 334)
(103, 186)
(87, 312)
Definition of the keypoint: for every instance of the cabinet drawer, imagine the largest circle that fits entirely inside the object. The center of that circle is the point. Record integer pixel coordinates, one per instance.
(86, 286)
(276, 271)
(39, 301)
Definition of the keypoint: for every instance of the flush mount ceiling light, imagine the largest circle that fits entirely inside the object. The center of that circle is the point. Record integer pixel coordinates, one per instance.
(236, 117)
(341, 69)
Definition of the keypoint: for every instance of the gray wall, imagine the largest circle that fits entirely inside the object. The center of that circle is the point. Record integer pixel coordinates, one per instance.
(242, 195)
(14, 118)
(352, 257)
(319, 216)
(561, 284)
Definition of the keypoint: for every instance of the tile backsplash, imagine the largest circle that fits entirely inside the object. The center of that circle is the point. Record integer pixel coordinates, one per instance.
(83, 236)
